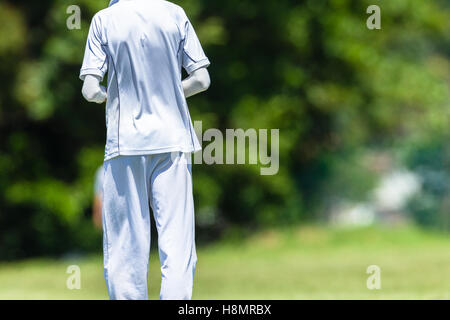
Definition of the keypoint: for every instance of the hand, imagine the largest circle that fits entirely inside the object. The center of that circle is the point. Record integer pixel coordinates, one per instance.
(101, 96)
(93, 91)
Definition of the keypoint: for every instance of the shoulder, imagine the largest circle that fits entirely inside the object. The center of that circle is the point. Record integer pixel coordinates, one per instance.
(100, 19)
(175, 8)
(103, 13)
(171, 5)
(106, 13)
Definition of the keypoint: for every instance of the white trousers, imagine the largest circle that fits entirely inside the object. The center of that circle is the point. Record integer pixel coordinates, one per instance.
(132, 184)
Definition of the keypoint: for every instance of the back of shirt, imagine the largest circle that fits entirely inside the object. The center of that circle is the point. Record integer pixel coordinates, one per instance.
(143, 44)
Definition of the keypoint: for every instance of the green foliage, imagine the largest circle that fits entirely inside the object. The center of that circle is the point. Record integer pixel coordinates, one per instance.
(430, 158)
(309, 68)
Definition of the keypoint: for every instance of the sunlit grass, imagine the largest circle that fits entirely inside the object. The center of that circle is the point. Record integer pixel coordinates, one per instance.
(294, 263)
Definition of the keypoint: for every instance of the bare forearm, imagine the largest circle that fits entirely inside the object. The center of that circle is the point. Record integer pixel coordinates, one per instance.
(197, 82)
(92, 90)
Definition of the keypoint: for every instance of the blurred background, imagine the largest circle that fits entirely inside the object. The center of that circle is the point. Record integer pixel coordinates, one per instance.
(364, 173)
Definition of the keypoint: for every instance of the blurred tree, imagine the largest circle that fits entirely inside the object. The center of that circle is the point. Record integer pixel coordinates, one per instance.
(430, 158)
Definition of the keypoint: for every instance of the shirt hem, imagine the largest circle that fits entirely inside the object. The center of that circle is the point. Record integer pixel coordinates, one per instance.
(149, 152)
(91, 71)
(204, 63)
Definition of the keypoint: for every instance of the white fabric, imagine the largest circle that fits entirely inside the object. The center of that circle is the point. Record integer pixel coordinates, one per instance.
(143, 44)
(130, 184)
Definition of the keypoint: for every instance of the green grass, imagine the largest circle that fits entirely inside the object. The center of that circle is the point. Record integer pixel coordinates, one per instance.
(294, 263)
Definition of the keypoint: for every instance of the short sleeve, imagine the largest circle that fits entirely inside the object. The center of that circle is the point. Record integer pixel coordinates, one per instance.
(193, 55)
(95, 57)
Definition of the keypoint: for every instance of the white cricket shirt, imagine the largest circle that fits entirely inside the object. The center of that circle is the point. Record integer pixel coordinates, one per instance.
(143, 44)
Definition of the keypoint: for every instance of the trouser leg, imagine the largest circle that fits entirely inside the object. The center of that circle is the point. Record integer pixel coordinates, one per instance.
(126, 225)
(173, 208)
